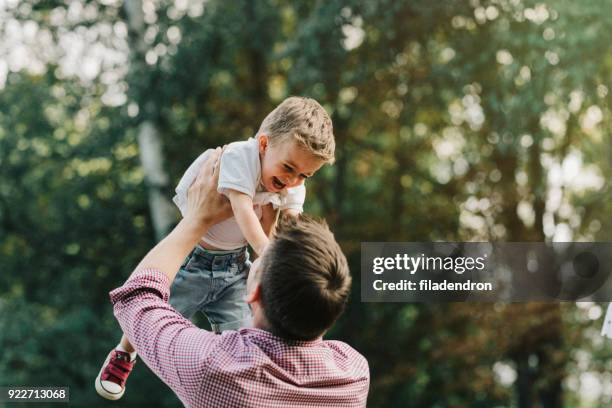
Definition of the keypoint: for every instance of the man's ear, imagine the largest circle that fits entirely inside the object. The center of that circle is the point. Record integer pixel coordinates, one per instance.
(263, 143)
(254, 295)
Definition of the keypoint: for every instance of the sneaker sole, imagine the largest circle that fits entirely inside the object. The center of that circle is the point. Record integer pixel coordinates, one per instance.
(100, 388)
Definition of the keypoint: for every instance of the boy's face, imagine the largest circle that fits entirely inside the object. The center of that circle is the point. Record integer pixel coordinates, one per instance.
(285, 164)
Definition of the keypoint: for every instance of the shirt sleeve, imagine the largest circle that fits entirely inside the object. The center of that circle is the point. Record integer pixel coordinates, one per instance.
(170, 345)
(180, 198)
(239, 169)
(294, 198)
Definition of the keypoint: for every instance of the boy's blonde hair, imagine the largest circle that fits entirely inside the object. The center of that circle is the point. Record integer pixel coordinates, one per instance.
(304, 120)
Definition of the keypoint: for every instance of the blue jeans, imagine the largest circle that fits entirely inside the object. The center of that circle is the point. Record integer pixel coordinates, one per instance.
(213, 282)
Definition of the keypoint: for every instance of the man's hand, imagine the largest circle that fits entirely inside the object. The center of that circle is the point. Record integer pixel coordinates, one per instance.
(205, 206)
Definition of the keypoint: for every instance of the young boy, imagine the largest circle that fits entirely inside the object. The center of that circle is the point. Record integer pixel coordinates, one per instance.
(261, 177)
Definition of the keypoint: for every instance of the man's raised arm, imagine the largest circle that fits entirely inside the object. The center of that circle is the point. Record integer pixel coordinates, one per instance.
(173, 348)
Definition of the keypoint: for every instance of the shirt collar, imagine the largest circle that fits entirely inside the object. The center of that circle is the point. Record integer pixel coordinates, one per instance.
(266, 335)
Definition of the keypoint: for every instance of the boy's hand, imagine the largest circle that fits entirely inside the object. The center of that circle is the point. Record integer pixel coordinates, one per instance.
(204, 204)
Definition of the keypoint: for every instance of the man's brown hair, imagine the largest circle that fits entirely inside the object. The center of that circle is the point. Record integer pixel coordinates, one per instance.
(305, 279)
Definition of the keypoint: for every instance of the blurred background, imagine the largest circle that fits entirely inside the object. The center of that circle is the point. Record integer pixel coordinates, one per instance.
(454, 120)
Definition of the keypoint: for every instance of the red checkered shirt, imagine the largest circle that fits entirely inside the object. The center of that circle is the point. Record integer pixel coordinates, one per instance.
(246, 368)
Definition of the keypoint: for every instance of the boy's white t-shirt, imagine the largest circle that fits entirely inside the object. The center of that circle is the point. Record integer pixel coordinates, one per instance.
(240, 170)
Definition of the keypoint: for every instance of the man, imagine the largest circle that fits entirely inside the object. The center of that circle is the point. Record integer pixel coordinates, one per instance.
(296, 291)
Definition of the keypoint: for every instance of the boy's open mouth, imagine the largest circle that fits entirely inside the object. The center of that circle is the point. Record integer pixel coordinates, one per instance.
(277, 183)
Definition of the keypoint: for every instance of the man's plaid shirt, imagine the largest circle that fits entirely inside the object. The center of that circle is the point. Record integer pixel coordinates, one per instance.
(246, 368)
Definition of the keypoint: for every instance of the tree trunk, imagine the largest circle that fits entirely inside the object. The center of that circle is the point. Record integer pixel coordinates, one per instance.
(151, 158)
(524, 382)
(546, 379)
(149, 140)
(257, 64)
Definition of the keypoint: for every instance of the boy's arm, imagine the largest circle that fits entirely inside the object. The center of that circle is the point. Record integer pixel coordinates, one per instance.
(242, 206)
(268, 219)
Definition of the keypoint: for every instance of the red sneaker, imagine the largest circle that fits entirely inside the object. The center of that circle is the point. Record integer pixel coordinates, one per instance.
(110, 382)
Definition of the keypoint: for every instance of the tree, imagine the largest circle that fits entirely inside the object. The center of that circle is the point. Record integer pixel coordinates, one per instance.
(149, 140)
